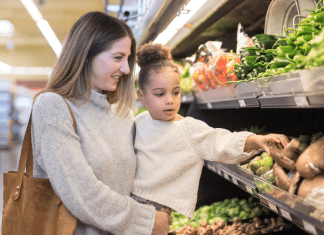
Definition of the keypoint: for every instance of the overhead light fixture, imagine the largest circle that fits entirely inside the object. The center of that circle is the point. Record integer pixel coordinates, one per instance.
(6, 28)
(9, 70)
(5, 68)
(50, 36)
(32, 9)
(192, 7)
(43, 26)
(32, 71)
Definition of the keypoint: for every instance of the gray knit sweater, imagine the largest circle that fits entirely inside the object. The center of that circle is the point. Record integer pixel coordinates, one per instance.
(91, 171)
(170, 158)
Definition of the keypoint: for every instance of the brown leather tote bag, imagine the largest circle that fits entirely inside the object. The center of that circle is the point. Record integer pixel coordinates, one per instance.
(30, 206)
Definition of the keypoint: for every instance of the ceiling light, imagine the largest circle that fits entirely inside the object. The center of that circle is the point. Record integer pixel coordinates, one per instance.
(43, 26)
(32, 9)
(50, 36)
(6, 28)
(6, 68)
(32, 71)
(193, 6)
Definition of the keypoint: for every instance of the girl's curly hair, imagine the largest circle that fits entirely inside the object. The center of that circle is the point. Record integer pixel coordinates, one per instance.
(152, 58)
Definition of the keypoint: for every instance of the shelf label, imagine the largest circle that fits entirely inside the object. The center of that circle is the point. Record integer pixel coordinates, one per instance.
(301, 101)
(309, 228)
(235, 181)
(226, 176)
(219, 171)
(242, 103)
(209, 105)
(285, 214)
(249, 189)
(273, 207)
(213, 168)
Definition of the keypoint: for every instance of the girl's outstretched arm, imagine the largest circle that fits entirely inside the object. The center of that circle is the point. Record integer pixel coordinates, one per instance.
(263, 141)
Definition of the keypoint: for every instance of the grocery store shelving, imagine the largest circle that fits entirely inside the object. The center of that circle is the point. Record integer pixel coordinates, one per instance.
(297, 100)
(187, 99)
(232, 173)
(246, 182)
(248, 102)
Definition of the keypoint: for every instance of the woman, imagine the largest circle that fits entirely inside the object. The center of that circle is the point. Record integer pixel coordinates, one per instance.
(92, 171)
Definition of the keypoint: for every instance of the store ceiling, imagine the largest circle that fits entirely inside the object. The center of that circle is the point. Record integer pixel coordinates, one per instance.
(60, 14)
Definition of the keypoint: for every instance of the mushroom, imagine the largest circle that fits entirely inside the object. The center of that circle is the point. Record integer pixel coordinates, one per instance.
(294, 183)
(280, 177)
(311, 162)
(291, 149)
(283, 156)
(307, 185)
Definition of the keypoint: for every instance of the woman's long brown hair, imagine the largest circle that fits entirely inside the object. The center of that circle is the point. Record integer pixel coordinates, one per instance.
(92, 34)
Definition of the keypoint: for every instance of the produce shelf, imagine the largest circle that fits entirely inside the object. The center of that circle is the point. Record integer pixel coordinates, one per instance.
(302, 220)
(187, 99)
(297, 100)
(248, 102)
(298, 216)
(235, 175)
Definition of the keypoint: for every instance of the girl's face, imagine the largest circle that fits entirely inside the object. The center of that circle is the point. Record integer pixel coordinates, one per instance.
(162, 96)
(109, 66)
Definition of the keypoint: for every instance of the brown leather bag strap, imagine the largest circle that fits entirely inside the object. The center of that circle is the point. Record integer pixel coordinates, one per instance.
(26, 155)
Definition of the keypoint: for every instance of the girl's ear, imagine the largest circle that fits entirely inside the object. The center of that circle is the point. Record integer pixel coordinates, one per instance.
(140, 96)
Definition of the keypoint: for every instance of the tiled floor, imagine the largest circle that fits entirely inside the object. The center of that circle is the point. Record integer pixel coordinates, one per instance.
(8, 162)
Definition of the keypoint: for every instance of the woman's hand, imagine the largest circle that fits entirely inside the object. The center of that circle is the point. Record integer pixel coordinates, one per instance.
(162, 222)
(263, 141)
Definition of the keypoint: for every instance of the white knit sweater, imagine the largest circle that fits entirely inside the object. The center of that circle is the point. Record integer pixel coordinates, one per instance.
(91, 171)
(170, 158)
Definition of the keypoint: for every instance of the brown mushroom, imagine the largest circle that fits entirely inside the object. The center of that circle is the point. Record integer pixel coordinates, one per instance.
(280, 177)
(294, 183)
(283, 161)
(311, 162)
(255, 232)
(291, 149)
(307, 185)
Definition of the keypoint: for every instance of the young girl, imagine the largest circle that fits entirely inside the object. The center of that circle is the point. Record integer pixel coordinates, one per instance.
(170, 149)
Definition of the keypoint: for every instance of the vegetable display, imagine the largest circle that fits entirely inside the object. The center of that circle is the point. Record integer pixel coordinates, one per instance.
(260, 165)
(303, 47)
(216, 71)
(226, 210)
(238, 227)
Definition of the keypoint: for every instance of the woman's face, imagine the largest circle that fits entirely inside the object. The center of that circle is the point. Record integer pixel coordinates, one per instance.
(108, 67)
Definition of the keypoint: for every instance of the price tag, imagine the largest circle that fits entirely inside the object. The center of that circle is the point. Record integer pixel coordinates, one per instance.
(235, 181)
(214, 169)
(226, 176)
(219, 171)
(209, 105)
(242, 103)
(285, 214)
(309, 228)
(249, 189)
(273, 207)
(301, 101)
(210, 167)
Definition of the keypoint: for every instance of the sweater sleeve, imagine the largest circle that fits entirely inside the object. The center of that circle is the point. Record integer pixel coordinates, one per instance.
(216, 144)
(59, 154)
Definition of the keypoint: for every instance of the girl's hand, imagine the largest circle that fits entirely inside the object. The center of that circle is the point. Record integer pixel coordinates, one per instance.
(263, 141)
(162, 223)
